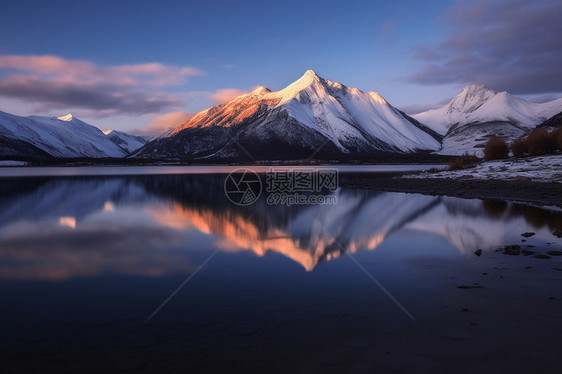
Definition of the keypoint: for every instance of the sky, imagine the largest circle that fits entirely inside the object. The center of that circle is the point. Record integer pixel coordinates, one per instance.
(146, 66)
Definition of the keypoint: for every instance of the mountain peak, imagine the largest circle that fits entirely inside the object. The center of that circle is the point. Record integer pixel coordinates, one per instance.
(309, 77)
(310, 73)
(68, 117)
(308, 84)
(474, 89)
(472, 97)
(261, 90)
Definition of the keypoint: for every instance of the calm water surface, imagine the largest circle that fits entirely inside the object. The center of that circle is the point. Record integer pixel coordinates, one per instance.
(162, 273)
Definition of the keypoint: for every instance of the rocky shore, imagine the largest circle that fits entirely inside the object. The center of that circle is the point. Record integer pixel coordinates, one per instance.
(541, 193)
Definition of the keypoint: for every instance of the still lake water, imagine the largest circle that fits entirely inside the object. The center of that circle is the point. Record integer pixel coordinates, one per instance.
(160, 272)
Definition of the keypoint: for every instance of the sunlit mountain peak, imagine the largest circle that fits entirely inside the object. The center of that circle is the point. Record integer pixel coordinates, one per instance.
(260, 90)
(68, 117)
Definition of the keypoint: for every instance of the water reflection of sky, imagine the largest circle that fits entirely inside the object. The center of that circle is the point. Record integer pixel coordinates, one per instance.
(55, 229)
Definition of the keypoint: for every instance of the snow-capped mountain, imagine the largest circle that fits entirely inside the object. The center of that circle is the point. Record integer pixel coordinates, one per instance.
(66, 136)
(128, 142)
(310, 114)
(478, 113)
(481, 104)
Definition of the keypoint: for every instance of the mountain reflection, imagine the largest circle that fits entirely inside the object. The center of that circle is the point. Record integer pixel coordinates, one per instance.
(59, 228)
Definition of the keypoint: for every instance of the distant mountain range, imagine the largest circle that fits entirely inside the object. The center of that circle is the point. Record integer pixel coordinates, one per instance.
(312, 118)
(62, 137)
(129, 143)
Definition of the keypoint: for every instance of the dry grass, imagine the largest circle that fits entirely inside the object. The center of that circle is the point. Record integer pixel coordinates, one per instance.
(463, 162)
(496, 149)
(519, 147)
(538, 142)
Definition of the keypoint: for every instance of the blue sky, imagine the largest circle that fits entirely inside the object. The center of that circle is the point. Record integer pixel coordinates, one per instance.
(101, 60)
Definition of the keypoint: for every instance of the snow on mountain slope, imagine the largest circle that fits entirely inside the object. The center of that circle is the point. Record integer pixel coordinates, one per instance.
(550, 109)
(60, 137)
(342, 113)
(128, 142)
(479, 104)
(310, 112)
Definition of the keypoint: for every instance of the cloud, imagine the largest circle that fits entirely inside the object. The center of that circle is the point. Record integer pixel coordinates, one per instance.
(506, 45)
(51, 94)
(164, 123)
(541, 98)
(226, 94)
(58, 252)
(53, 83)
(148, 74)
(418, 108)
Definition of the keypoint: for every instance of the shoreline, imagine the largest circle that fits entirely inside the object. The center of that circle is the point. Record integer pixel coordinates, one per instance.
(442, 183)
(539, 193)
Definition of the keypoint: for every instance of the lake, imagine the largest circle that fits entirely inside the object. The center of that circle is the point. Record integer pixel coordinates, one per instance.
(160, 271)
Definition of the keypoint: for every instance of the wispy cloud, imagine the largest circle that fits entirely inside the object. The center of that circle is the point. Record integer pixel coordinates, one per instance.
(147, 74)
(226, 94)
(164, 123)
(507, 45)
(50, 94)
(418, 108)
(51, 83)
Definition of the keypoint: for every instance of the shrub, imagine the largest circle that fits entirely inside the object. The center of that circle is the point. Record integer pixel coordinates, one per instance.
(519, 147)
(495, 149)
(463, 162)
(538, 142)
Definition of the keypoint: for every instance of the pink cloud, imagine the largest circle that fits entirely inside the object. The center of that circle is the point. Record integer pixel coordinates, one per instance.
(81, 71)
(164, 123)
(44, 64)
(226, 94)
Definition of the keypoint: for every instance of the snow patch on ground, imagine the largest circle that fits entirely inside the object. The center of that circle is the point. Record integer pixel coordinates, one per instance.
(12, 163)
(472, 138)
(537, 169)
